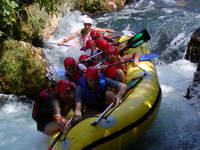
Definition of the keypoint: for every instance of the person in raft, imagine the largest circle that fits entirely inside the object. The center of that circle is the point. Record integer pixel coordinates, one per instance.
(52, 105)
(117, 72)
(93, 95)
(84, 33)
(72, 70)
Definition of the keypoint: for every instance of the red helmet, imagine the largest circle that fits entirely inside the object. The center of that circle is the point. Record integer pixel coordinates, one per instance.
(69, 61)
(83, 57)
(92, 72)
(63, 86)
(89, 44)
(95, 34)
(112, 50)
(102, 44)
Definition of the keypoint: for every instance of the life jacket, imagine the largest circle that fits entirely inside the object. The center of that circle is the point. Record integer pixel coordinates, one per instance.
(84, 38)
(110, 72)
(93, 99)
(43, 95)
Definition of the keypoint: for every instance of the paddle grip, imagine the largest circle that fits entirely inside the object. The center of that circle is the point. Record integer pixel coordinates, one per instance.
(94, 123)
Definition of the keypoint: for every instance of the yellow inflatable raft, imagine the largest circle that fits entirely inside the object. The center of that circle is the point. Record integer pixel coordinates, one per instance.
(122, 125)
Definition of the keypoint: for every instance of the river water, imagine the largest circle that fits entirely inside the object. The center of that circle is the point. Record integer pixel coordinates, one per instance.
(170, 24)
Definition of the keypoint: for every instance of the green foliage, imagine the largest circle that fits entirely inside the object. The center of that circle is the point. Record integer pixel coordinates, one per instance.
(13, 13)
(49, 5)
(33, 27)
(21, 72)
(8, 16)
(94, 5)
(91, 6)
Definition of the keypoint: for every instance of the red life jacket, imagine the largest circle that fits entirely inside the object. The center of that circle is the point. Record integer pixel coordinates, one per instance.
(110, 72)
(42, 96)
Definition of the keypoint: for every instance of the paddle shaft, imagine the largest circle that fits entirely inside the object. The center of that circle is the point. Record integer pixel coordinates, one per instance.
(133, 43)
(119, 63)
(102, 114)
(61, 45)
(97, 54)
(144, 57)
(138, 79)
(60, 134)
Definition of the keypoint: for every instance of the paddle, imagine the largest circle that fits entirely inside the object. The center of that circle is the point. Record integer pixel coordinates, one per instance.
(129, 86)
(144, 57)
(116, 34)
(135, 41)
(64, 44)
(103, 113)
(60, 135)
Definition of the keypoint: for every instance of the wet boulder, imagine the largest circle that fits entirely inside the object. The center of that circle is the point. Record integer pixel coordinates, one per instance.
(193, 55)
(93, 7)
(193, 48)
(194, 89)
(22, 69)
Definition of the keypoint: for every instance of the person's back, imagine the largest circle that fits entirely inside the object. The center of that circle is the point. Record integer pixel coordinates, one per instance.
(52, 105)
(46, 99)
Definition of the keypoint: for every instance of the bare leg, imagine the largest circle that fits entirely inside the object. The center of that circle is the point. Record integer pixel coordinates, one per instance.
(120, 76)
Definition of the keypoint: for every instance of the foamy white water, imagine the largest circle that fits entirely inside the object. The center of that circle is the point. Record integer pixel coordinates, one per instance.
(17, 129)
(177, 119)
(177, 124)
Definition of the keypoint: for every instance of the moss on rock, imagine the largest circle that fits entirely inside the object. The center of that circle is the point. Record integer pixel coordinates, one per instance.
(21, 70)
(93, 7)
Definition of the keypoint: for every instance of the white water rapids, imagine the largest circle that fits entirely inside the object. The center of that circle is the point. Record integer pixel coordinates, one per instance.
(177, 125)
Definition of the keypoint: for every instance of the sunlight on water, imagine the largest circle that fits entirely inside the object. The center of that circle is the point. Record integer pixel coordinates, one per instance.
(177, 123)
(17, 129)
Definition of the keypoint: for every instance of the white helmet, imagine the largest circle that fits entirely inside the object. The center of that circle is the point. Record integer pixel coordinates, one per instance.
(87, 20)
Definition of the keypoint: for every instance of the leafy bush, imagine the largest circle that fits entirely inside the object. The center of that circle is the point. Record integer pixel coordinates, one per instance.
(8, 16)
(13, 13)
(90, 6)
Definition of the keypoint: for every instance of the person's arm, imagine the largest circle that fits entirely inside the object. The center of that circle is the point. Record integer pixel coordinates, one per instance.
(57, 114)
(121, 89)
(78, 104)
(70, 37)
(104, 30)
(136, 56)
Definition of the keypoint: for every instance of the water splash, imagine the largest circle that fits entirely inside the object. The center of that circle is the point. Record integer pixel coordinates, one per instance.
(170, 26)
